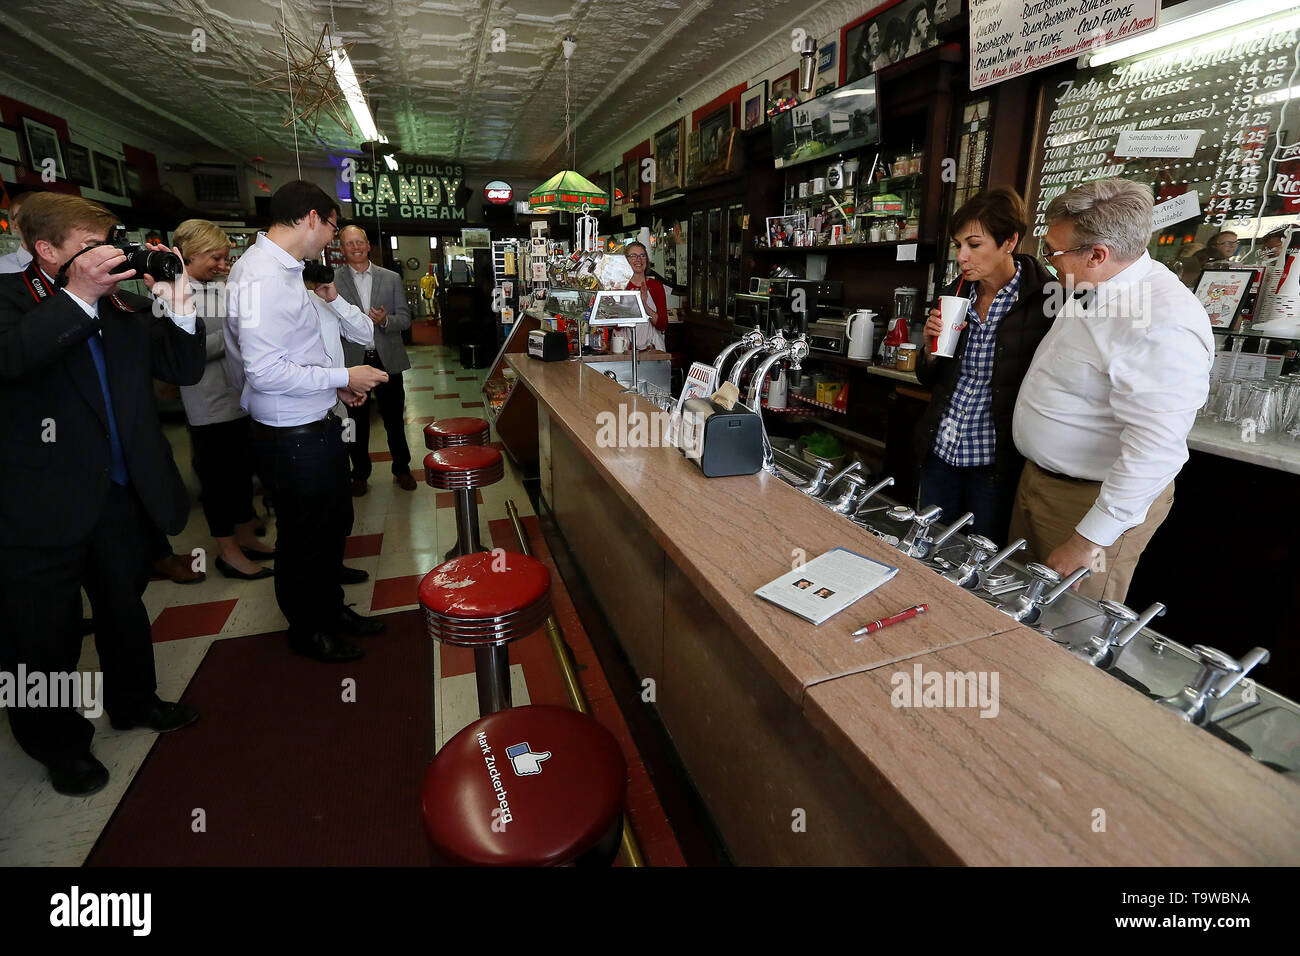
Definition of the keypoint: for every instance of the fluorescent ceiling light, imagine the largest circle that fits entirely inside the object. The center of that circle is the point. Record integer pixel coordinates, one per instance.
(347, 80)
(1191, 24)
(433, 242)
(392, 240)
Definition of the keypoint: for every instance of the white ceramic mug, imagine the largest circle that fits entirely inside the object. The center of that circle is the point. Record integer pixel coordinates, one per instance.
(618, 344)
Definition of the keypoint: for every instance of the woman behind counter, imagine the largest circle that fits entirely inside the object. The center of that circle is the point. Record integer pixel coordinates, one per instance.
(653, 297)
(963, 440)
(219, 427)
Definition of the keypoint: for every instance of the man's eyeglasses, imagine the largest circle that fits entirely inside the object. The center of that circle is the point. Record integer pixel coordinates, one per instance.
(1047, 255)
(333, 224)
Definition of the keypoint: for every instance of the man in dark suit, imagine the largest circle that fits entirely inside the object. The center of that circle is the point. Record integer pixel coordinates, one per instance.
(86, 476)
(377, 292)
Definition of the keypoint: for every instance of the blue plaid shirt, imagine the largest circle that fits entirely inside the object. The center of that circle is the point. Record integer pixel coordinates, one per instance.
(966, 438)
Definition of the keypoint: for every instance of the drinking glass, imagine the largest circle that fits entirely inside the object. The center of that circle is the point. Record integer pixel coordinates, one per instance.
(1259, 420)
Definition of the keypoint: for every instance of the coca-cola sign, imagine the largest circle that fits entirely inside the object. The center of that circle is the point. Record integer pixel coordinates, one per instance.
(498, 192)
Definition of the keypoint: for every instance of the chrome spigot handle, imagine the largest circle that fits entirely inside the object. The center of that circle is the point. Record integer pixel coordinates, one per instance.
(849, 500)
(1253, 659)
(952, 529)
(848, 469)
(968, 573)
(1005, 553)
(817, 483)
(928, 517)
(1040, 576)
(1215, 667)
(1140, 621)
(875, 489)
(1078, 574)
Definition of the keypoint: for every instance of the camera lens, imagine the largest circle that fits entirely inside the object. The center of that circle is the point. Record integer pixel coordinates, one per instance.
(162, 266)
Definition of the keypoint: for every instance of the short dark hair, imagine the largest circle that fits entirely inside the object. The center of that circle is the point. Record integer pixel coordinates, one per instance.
(1000, 211)
(294, 200)
(895, 32)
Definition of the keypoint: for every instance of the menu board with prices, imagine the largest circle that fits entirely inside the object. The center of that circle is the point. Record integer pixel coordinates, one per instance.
(1201, 121)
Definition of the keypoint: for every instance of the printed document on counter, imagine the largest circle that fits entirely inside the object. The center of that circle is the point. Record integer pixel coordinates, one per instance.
(827, 584)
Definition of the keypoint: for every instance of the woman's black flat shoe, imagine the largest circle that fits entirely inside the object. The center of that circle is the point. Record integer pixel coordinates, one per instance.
(257, 555)
(230, 572)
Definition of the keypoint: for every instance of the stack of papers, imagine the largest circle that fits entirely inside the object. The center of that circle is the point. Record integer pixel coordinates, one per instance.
(827, 584)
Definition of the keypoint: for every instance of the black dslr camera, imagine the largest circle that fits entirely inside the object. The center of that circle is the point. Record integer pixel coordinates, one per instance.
(162, 266)
(313, 271)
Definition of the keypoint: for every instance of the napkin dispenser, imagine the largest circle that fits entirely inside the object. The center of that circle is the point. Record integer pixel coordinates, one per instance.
(548, 346)
(722, 442)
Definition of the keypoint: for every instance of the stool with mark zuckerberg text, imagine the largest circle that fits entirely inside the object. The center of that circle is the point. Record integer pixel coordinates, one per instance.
(531, 786)
(484, 601)
(464, 469)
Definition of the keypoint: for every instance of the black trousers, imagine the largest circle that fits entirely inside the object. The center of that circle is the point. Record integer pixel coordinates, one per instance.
(40, 611)
(308, 474)
(223, 460)
(391, 397)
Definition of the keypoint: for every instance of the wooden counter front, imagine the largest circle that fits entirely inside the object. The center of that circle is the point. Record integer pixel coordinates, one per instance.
(772, 715)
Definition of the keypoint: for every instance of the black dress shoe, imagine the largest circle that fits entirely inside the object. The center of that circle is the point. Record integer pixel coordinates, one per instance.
(227, 570)
(326, 647)
(350, 622)
(78, 777)
(160, 715)
(352, 575)
(257, 555)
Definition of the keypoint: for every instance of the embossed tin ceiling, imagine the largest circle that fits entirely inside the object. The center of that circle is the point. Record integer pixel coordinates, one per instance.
(439, 88)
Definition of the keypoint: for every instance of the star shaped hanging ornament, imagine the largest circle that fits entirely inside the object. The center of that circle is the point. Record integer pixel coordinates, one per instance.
(308, 77)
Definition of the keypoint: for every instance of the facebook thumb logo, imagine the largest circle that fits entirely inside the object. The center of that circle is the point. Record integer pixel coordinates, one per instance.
(524, 760)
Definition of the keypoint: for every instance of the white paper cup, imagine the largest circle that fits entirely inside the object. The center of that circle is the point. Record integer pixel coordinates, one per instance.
(953, 310)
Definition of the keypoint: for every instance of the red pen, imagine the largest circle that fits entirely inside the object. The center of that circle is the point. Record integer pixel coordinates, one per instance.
(906, 615)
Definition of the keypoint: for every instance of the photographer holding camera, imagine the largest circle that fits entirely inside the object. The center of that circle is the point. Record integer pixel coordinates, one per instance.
(276, 357)
(86, 477)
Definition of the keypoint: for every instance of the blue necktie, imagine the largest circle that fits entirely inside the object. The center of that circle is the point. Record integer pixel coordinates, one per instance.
(117, 471)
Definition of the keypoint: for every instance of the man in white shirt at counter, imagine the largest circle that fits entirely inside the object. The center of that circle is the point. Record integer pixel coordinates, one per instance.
(1111, 394)
(276, 356)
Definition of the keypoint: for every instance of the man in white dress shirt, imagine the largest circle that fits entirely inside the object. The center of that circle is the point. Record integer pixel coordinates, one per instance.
(16, 261)
(1111, 394)
(277, 358)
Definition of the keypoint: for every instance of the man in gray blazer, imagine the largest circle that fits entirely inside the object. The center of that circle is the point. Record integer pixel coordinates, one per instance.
(378, 292)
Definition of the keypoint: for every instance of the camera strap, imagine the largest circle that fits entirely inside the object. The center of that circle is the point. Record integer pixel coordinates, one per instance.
(40, 288)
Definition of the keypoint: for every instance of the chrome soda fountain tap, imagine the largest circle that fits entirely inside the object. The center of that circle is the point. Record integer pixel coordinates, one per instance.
(815, 485)
(872, 492)
(849, 469)
(1220, 673)
(774, 344)
(752, 338)
(795, 352)
(952, 529)
(1120, 626)
(853, 496)
(916, 543)
(971, 572)
(1027, 606)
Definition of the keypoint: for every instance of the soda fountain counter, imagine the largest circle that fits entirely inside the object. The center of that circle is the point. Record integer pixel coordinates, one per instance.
(790, 731)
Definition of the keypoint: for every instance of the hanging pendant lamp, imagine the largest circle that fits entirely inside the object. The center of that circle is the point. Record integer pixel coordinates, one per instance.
(568, 189)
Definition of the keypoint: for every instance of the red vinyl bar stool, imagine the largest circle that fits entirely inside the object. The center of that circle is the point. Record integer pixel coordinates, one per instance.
(463, 469)
(531, 786)
(455, 431)
(483, 601)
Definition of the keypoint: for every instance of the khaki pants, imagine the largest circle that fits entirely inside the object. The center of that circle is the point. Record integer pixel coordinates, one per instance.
(1046, 512)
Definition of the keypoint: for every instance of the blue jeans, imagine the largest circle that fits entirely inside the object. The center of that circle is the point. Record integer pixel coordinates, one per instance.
(977, 490)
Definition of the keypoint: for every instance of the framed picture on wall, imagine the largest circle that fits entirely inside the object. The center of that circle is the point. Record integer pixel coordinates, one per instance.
(888, 35)
(1222, 292)
(620, 186)
(633, 173)
(108, 174)
(714, 130)
(784, 86)
(42, 145)
(753, 106)
(668, 143)
(11, 150)
(77, 160)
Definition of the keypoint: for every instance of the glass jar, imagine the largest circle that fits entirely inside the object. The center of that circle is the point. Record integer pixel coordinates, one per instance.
(905, 358)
